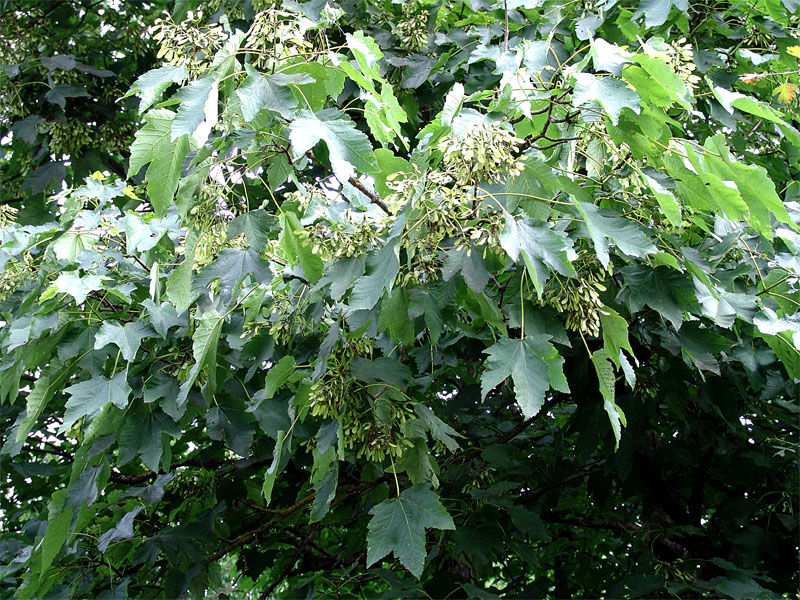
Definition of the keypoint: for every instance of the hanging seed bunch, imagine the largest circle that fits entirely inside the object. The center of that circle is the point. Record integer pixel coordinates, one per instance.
(336, 390)
(679, 55)
(68, 136)
(116, 135)
(275, 35)
(487, 151)
(191, 43)
(288, 318)
(374, 432)
(309, 196)
(8, 215)
(16, 272)
(210, 217)
(412, 27)
(345, 240)
(579, 298)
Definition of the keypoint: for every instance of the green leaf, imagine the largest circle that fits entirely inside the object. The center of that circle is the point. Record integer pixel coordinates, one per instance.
(57, 532)
(270, 92)
(88, 398)
(382, 368)
(37, 399)
(152, 84)
(382, 267)
(328, 82)
(204, 349)
(662, 289)
(277, 375)
(542, 248)
(153, 144)
(179, 284)
(416, 463)
(533, 364)
(350, 150)
(439, 430)
(126, 337)
(230, 424)
(366, 53)
(40, 179)
(452, 104)
(77, 286)
(656, 12)
(163, 316)
(393, 316)
(144, 436)
(610, 93)
(123, 530)
(59, 94)
(232, 266)
(753, 183)
(297, 247)
(468, 262)
(398, 526)
(608, 57)
(255, 225)
(626, 235)
(284, 441)
(198, 102)
(657, 83)
(324, 476)
(666, 200)
(731, 100)
(615, 334)
(605, 375)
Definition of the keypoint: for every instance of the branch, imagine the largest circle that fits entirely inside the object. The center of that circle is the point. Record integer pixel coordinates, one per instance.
(282, 514)
(374, 198)
(211, 463)
(505, 29)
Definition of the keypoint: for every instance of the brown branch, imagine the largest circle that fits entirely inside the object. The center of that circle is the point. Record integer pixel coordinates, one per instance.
(374, 198)
(212, 463)
(138, 260)
(282, 514)
(505, 29)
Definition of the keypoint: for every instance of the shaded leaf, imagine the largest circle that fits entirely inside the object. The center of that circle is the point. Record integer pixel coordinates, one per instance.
(398, 526)
(532, 363)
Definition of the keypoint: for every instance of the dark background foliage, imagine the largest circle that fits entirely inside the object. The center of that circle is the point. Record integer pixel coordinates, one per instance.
(216, 381)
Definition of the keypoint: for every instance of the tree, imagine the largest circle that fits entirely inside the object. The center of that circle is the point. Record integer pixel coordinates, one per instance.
(460, 299)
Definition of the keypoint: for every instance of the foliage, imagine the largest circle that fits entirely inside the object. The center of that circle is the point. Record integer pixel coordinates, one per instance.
(381, 299)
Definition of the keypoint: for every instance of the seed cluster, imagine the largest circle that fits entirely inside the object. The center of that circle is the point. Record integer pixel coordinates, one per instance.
(371, 424)
(412, 27)
(680, 56)
(579, 298)
(288, 316)
(68, 136)
(210, 218)
(190, 43)
(486, 151)
(15, 273)
(275, 35)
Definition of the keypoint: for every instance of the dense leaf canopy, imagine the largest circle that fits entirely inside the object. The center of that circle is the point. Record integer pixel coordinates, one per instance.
(399, 299)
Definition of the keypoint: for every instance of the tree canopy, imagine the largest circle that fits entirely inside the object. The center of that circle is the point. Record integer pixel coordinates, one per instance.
(464, 299)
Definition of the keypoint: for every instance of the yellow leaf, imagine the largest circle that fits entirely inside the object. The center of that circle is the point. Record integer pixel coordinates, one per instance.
(128, 191)
(785, 92)
(794, 51)
(98, 176)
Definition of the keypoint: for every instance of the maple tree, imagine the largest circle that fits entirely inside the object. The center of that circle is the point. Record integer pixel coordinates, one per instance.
(379, 299)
